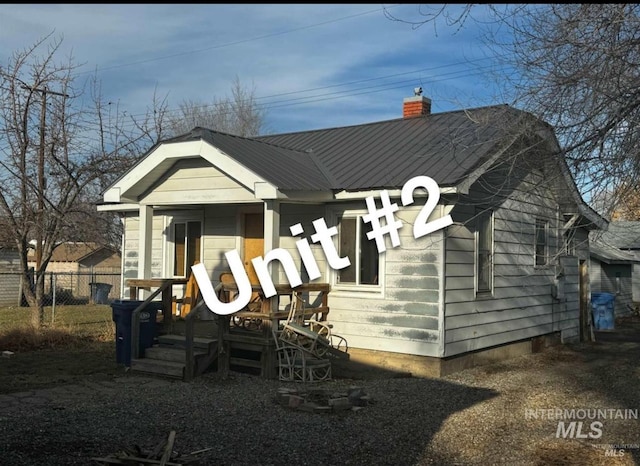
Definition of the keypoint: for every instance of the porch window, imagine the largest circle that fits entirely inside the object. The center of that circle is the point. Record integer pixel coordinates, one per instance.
(484, 251)
(362, 253)
(541, 238)
(187, 240)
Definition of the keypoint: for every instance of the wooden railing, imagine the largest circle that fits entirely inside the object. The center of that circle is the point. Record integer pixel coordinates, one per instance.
(164, 287)
(270, 315)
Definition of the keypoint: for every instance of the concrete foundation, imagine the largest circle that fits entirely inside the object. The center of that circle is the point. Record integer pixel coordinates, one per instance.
(364, 363)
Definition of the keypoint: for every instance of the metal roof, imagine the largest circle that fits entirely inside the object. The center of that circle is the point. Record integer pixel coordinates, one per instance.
(444, 146)
(610, 254)
(623, 235)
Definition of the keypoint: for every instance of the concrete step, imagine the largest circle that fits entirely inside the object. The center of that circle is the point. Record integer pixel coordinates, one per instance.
(169, 353)
(158, 367)
(179, 341)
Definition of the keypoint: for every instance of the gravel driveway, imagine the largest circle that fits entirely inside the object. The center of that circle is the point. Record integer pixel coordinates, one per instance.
(480, 416)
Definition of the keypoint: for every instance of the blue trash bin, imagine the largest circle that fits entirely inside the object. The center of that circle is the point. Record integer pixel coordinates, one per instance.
(603, 306)
(122, 310)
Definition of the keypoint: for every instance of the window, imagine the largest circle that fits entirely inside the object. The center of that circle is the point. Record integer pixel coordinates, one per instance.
(541, 246)
(569, 242)
(186, 249)
(362, 253)
(484, 252)
(618, 282)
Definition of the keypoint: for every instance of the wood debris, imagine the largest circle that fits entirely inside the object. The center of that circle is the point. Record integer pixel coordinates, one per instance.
(163, 455)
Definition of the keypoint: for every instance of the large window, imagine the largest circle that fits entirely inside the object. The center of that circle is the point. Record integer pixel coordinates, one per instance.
(186, 249)
(362, 253)
(542, 242)
(484, 252)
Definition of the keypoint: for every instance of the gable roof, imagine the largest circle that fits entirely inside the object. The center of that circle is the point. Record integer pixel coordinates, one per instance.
(73, 252)
(454, 148)
(444, 146)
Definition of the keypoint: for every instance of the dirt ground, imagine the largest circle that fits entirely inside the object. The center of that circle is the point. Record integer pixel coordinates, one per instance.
(508, 413)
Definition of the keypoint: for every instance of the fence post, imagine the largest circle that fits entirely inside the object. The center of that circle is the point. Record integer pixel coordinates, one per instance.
(53, 297)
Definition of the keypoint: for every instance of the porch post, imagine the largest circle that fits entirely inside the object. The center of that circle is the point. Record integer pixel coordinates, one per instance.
(272, 238)
(145, 235)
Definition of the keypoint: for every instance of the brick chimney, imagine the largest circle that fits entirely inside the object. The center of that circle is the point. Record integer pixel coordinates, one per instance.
(416, 106)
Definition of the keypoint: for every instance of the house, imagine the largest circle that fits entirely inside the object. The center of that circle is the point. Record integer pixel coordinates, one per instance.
(621, 273)
(509, 274)
(77, 265)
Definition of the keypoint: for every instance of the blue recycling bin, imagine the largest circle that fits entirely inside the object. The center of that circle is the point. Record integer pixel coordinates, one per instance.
(603, 306)
(122, 311)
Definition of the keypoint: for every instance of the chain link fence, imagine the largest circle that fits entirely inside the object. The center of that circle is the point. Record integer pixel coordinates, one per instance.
(65, 288)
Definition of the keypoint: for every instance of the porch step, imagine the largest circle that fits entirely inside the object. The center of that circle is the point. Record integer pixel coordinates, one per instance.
(167, 357)
(158, 367)
(169, 353)
(179, 341)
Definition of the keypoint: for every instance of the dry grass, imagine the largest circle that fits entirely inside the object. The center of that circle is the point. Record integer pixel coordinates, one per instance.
(76, 342)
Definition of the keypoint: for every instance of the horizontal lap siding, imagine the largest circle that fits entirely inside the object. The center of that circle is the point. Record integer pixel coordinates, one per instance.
(521, 305)
(195, 180)
(405, 319)
(131, 253)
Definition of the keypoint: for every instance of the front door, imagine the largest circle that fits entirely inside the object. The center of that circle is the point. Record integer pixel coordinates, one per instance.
(253, 242)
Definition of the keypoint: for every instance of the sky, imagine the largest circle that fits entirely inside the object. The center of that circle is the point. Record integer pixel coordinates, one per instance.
(310, 66)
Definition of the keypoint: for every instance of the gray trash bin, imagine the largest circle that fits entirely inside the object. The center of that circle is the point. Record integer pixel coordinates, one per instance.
(100, 292)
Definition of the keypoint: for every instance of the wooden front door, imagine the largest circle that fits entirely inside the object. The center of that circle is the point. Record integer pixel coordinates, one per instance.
(253, 242)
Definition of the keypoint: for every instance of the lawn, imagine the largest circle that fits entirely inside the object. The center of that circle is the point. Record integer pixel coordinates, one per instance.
(76, 343)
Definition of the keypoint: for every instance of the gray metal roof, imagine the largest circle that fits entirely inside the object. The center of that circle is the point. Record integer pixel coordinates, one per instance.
(610, 254)
(623, 235)
(445, 146)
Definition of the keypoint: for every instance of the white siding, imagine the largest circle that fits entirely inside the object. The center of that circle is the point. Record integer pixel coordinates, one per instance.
(521, 305)
(195, 180)
(404, 318)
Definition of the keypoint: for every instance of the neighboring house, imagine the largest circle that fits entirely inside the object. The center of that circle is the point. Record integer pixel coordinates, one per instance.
(626, 237)
(76, 265)
(612, 272)
(511, 270)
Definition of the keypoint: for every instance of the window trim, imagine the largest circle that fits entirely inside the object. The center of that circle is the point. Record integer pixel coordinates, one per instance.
(170, 240)
(545, 255)
(491, 224)
(353, 289)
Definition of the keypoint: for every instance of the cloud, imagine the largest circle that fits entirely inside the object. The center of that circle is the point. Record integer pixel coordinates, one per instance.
(193, 52)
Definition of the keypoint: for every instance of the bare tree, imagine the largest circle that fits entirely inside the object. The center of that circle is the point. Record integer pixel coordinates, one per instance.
(240, 114)
(576, 67)
(56, 154)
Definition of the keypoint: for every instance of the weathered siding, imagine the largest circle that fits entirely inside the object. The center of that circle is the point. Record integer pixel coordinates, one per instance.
(404, 316)
(196, 180)
(521, 305)
(131, 251)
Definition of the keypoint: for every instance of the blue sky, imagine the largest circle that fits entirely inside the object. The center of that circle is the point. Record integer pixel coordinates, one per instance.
(312, 66)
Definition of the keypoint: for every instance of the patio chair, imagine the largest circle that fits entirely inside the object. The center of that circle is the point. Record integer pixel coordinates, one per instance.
(297, 364)
(313, 335)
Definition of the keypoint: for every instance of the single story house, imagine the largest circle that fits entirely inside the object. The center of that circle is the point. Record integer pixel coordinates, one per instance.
(506, 272)
(76, 265)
